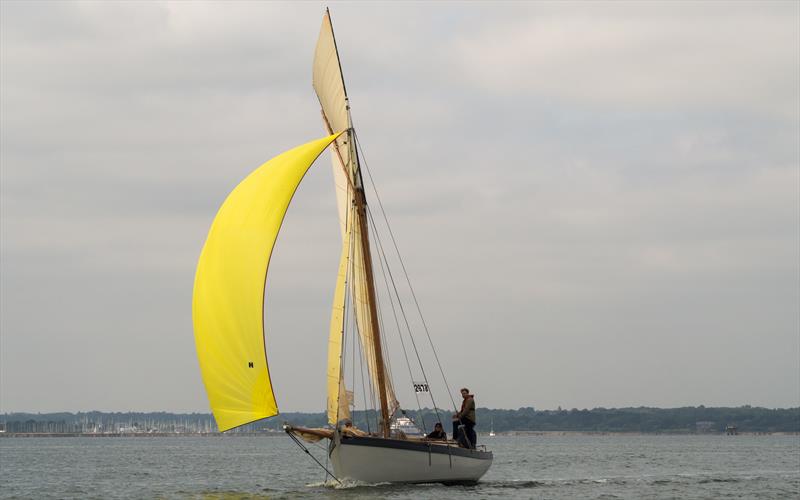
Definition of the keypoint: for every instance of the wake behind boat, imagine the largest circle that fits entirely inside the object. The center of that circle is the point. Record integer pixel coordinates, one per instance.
(228, 313)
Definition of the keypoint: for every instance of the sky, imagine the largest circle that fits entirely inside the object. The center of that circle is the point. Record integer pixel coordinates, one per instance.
(598, 203)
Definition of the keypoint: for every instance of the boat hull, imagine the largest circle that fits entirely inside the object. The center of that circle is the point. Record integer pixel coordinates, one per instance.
(378, 460)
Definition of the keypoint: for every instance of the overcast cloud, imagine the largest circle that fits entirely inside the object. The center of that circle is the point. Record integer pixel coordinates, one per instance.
(598, 203)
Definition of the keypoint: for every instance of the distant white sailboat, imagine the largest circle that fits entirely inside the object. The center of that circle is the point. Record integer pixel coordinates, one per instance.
(491, 431)
(228, 309)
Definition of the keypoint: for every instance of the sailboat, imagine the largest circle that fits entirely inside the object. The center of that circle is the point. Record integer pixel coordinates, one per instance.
(491, 430)
(228, 310)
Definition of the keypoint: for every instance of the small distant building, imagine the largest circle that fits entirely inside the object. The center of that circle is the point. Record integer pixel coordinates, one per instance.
(731, 430)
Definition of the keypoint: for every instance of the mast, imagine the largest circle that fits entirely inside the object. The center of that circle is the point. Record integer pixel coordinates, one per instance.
(361, 209)
(361, 206)
(329, 84)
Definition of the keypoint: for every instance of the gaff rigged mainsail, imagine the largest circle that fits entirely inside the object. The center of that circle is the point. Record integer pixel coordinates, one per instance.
(228, 301)
(329, 85)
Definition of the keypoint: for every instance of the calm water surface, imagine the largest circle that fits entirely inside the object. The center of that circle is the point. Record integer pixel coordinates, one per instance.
(556, 467)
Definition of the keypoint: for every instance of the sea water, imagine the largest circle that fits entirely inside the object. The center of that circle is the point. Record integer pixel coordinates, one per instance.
(557, 467)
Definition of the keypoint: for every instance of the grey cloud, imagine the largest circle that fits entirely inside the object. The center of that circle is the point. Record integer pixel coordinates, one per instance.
(573, 190)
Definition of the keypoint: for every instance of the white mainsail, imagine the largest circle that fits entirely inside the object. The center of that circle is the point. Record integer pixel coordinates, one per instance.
(329, 85)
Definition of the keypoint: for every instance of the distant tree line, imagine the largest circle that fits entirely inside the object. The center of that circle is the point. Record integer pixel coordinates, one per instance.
(642, 419)
(699, 419)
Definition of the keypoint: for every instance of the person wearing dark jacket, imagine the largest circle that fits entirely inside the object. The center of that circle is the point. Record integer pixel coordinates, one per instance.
(438, 433)
(465, 419)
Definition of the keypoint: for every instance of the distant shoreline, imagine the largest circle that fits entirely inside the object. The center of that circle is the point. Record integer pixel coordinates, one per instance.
(521, 422)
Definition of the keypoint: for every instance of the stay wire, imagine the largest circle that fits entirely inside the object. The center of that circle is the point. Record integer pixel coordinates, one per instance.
(364, 354)
(385, 263)
(384, 340)
(351, 314)
(352, 329)
(369, 349)
(402, 264)
(312, 456)
(385, 350)
(364, 381)
(343, 352)
(368, 352)
(408, 326)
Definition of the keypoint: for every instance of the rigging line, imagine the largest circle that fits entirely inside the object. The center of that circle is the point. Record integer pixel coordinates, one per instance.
(349, 311)
(342, 354)
(384, 348)
(368, 404)
(368, 349)
(348, 331)
(385, 345)
(343, 350)
(349, 321)
(343, 347)
(355, 330)
(353, 350)
(311, 455)
(385, 264)
(363, 384)
(363, 349)
(399, 330)
(405, 319)
(402, 264)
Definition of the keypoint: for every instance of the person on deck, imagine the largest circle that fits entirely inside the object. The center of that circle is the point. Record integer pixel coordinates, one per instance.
(466, 418)
(351, 430)
(438, 433)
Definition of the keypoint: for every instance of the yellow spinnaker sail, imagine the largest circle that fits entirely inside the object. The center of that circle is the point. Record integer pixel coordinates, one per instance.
(228, 301)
